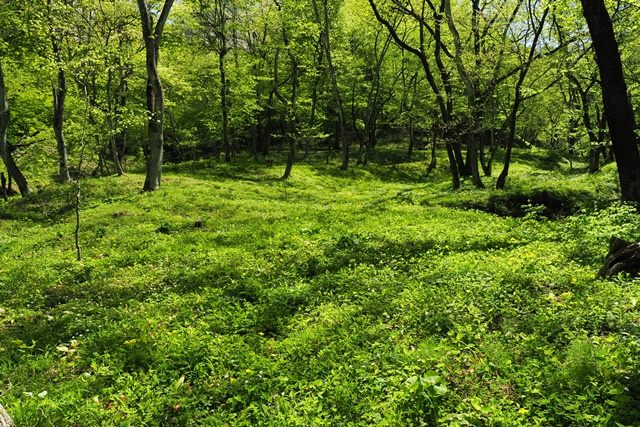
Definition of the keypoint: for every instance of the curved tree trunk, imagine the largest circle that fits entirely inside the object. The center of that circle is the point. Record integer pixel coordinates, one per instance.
(502, 178)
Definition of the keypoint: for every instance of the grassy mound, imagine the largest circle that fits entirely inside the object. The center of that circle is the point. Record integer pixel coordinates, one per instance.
(369, 297)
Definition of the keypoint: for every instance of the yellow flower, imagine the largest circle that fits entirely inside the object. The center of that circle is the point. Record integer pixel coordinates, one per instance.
(522, 411)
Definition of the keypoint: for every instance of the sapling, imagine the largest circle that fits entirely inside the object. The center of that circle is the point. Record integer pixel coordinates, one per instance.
(76, 181)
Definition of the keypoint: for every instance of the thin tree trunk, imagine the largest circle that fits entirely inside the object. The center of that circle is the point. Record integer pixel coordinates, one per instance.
(433, 162)
(112, 137)
(412, 138)
(339, 105)
(59, 97)
(59, 92)
(291, 106)
(224, 105)
(502, 178)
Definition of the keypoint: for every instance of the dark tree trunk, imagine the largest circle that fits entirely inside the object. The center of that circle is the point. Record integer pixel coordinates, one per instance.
(453, 167)
(5, 152)
(584, 102)
(617, 105)
(487, 161)
(59, 97)
(155, 94)
(433, 162)
(3, 183)
(412, 138)
(292, 107)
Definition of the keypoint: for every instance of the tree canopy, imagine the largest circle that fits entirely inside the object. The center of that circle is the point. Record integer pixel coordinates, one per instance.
(320, 77)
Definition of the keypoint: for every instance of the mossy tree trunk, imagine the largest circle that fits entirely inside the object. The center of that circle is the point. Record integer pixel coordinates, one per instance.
(155, 95)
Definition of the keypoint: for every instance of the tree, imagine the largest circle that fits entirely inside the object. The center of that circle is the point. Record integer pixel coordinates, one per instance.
(617, 103)
(324, 19)
(14, 38)
(421, 51)
(155, 95)
(59, 88)
(213, 17)
(524, 69)
(5, 150)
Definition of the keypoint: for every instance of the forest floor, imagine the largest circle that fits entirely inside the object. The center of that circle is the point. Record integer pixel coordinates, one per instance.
(374, 296)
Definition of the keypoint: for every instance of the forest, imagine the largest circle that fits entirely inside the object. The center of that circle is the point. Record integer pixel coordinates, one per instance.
(319, 212)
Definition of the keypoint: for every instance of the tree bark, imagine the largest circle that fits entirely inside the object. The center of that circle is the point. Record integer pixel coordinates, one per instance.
(617, 105)
(5, 152)
(224, 84)
(59, 95)
(155, 94)
(59, 98)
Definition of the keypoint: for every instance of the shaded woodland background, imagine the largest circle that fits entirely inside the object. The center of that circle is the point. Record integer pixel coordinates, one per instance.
(320, 79)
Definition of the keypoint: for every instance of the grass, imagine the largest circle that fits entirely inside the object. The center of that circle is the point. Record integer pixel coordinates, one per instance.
(370, 297)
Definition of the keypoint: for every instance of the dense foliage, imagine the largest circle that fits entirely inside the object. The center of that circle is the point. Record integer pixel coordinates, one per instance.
(357, 298)
(305, 260)
(327, 76)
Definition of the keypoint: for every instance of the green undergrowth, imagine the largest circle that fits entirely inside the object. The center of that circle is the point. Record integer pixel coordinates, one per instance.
(374, 296)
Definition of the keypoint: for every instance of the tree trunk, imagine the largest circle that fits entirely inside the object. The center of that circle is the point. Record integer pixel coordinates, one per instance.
(59, 97)
(224, 100)
(59, 91)
(292, 108)
(155, 94)
(617, 105)
(502, 178)
(339, 105)
(433, 162)
(110, 119)
(412, 138)
(471, 166)
(3, 184)
(584, 102)
(5, 152)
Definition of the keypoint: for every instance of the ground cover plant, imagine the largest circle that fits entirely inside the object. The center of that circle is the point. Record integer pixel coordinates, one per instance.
(374, 296)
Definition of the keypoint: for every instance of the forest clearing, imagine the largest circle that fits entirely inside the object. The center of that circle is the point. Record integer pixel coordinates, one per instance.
(319, 213)
(365, 297)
